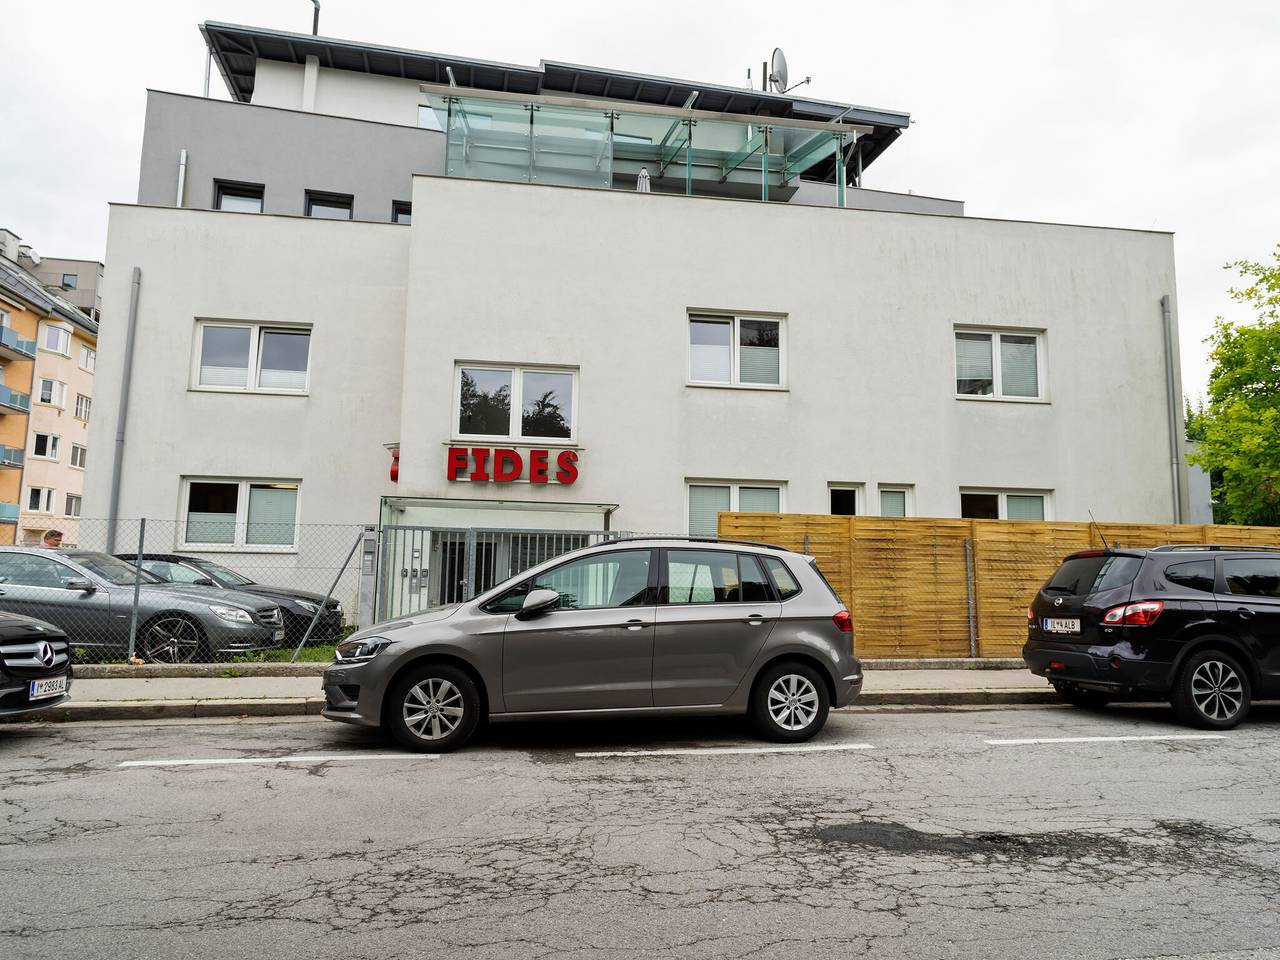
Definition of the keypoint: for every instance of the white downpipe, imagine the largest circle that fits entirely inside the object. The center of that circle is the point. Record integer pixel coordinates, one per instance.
(182, 177)
(1175, 455)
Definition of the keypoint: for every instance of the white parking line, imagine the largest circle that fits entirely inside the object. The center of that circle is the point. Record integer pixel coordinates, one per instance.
(717, 751)
(1122, 739)
(297, 758)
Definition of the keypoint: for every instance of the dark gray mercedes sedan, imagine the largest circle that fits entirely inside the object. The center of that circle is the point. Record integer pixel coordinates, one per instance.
(628, 627)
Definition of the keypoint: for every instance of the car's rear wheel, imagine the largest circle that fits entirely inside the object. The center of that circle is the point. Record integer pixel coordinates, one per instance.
(790, 702)
(170, 638)
(433, 708)
(1212, 691)
(1080, 697)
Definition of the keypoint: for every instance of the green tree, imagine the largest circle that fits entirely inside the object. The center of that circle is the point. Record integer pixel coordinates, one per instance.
(1238, 433)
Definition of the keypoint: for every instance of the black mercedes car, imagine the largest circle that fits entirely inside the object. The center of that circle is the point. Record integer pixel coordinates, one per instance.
(298, 606)
(35, 665)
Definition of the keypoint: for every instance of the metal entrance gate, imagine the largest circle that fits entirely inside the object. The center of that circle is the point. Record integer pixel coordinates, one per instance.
(422, 567)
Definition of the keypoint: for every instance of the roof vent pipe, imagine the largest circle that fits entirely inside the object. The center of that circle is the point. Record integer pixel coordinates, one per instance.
(315, 19)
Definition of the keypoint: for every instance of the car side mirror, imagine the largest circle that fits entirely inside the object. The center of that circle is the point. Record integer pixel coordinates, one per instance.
(84, 586)
(537, 603)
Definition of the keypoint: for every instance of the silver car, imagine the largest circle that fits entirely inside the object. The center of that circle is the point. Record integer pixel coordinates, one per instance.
(629, 627)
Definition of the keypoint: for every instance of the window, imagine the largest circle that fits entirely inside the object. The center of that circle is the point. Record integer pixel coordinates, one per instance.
(241, 513)
(998, 505)
(782, 577)
(329, 206)
(401, 211)
(88, 359)
(69, 280)
(57, 339)
(844, 501)
(237, 197)
(73, 505)
(707, 500)
(1253, 577)
(606, 580)
(53, 392)
(713, 576)
(78, 455)
(40, 500)
(29, 570)
(1082, 576)
(253, 357)
(173, 572)
(83, 404)
(735, 351)
(895, 501)
(998, 365)
(547, 403)
(45, 446)
(428, 119)
(1197, 575)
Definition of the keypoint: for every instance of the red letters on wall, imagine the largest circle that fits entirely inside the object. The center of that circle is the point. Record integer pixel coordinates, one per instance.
(505, 465)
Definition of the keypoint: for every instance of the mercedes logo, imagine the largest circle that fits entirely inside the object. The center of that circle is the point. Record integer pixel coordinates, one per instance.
(44, 653)
(1057, 601)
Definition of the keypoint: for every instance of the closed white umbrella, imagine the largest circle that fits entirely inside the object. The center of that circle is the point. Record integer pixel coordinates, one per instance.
(642, 181)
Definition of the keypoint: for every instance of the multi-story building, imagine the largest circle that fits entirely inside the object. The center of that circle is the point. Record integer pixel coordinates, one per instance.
(79, 282)
(570, 297)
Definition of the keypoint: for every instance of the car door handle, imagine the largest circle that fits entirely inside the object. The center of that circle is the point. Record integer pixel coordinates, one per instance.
(755, 619)
(1244, 613)
(634, 624)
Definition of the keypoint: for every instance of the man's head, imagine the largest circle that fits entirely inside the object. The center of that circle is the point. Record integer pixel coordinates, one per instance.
(52, 538)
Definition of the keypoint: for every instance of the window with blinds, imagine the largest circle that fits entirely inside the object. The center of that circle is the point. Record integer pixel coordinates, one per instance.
(893, 501)
(708, 500)
(735, 351)
(998, 365)
(253, 357)
(240, 513)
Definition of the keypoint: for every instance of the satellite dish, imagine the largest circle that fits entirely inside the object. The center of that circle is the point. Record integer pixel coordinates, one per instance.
(778, 71)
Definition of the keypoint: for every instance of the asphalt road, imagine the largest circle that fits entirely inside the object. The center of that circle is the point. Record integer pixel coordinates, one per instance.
(912, 836)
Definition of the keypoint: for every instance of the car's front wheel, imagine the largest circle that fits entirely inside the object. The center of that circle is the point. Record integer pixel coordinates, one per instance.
(433, 708)
(1212, 691)
(790, 702)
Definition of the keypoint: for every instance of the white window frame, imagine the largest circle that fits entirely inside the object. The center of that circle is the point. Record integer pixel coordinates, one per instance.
(78, 500)
(88, 358)
(65, 331)
(734, 486)
(242, 517)
(734, 320)
(47, 495)
(909, 500)
(998, 395)
(59, 393)
(84, 455)
(1004, 492)
(256, 330)
(88, 406)
(53, 445)
(860, 498)
(514, 434)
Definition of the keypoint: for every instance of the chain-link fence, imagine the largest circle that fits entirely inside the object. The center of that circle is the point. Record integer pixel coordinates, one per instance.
(198, 590)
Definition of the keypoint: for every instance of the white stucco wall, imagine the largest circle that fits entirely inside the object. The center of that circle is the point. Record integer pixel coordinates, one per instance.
(339, 93)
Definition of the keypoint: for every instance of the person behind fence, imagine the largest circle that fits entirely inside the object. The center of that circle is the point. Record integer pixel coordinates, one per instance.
(52, 539)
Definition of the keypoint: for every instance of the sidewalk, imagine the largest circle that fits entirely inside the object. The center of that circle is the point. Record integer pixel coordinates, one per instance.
(262, 693)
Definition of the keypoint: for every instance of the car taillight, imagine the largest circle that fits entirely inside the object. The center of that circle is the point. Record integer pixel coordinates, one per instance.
(843, 621)
(1134, 614)
(1031, 614)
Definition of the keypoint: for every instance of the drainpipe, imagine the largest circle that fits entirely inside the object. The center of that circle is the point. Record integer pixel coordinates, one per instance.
(315, 19)
(117, 461)
(1175, 455)
(182, 177)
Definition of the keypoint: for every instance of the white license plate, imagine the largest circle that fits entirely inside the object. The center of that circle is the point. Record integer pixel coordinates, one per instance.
(50, 687)
(279, 635)
(1061, 624)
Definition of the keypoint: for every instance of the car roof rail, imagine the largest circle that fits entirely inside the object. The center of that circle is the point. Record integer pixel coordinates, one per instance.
(1214, 547)
(689, 539)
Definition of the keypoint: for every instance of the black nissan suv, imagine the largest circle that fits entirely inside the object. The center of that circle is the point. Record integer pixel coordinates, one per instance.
(1196, 624)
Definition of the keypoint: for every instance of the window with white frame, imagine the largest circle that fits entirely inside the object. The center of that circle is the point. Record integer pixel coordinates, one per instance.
(40, 499)
(73, 505)
(252, 356)
(88, 358)
(53, 392)
(895, 501)
(845, 499)
(79, 455)
(709, 498)
(45, 446)
(515, 403)
(735, 351)
(1002, 365)
(56, 339)
(249, 514)
(83, 404)
(1004, 505)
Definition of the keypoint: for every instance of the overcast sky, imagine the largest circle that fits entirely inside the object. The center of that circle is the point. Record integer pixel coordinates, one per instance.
(1156, 115)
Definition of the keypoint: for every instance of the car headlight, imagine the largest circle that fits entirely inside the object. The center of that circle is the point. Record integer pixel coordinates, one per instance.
(306, 605)
(230, 614)
(356, 651)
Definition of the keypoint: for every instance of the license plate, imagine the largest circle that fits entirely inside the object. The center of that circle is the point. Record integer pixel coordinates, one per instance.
(1061, 624)
(279, 635)
(50, 687)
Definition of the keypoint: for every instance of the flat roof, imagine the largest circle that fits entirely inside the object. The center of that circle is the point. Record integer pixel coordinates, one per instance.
(237, 48)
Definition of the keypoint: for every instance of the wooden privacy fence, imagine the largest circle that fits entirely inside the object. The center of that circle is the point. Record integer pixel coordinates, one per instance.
(920, 587)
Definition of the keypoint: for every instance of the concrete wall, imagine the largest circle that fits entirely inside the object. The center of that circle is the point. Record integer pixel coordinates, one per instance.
(341, 93)
(871, 300)
(815, 194)
(288, 151)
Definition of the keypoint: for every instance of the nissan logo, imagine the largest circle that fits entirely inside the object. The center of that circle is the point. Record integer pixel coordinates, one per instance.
(1057, 601)
(44, 653)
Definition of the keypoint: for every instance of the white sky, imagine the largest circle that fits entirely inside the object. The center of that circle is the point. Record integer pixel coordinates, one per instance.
(1161, 114)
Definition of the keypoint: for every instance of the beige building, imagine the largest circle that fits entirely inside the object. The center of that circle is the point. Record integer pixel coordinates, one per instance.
(79, 282)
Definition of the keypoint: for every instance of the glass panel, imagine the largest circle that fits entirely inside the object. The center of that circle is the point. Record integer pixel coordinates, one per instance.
(702, 576)
(431, 119)
(1023, 507)
(1197, 575)
(1253, 578)
(636, 137)
(975, 375)
(755, 585)
(283, 360)
(69, 280)
(547, 405)
(329, 209)
(1019, 376)
(705, 503)
(211, 512)
(485, 402)
(239, 202)
(759, 499)
(893, 503)
(727, 153)
(224, 357)
(803, 148)
(489, 139)
(980, 506)
(782, 577)
(844, 502)
(609, 580)
(710, 351)
(758, 352)
(572, 147)
(272, 511)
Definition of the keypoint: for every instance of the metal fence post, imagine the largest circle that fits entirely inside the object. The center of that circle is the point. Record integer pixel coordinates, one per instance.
(968, 582)
(468, 585)
(137, 586)
(327, 594)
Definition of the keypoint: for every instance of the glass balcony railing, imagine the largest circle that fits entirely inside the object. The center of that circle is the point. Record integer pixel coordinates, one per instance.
(683, 151)
(10, 456)
(8, 513)
(13, 400)
(14, 347)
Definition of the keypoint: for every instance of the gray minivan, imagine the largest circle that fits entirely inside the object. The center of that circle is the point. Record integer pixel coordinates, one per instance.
(628, 627)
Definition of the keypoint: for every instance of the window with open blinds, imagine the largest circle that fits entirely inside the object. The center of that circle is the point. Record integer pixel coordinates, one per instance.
(998, 365)
(975, 370)
(1019, 367)
(738, 351)
(706, 502)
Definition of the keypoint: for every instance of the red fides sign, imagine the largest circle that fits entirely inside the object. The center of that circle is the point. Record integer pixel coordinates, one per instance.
(504, 465)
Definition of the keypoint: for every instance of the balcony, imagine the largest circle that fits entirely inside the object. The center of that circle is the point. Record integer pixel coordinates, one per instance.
(11, 401)
(8, 513)
(14, 347)
(10, 457)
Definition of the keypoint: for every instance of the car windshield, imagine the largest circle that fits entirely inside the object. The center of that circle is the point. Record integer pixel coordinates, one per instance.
(110, 569)
(1081, 576)
(223, 574)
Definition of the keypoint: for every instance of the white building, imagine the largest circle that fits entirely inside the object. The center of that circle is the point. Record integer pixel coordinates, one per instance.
(354, 261)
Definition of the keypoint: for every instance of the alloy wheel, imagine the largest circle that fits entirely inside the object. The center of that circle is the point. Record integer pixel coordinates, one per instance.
(1216, 690)
(793, 701)
(171, 640)
(433, 708)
